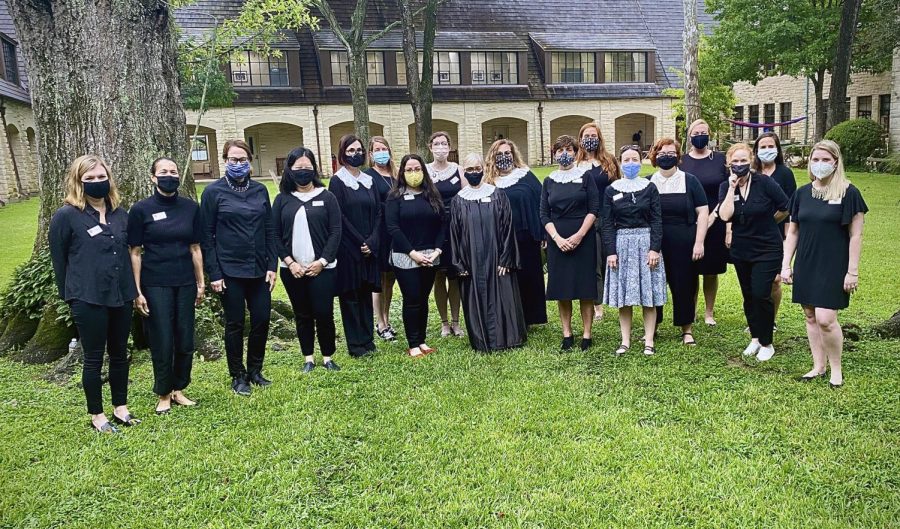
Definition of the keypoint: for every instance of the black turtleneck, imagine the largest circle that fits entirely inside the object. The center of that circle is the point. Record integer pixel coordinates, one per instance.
(165, 227)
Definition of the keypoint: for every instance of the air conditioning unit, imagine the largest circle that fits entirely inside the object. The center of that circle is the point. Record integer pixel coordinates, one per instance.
(477, 76)
(444, 77)
(497, 76)
(239, 77)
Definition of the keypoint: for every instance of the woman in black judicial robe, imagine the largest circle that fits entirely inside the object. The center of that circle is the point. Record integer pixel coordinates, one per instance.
(486, 257)
(505, 169)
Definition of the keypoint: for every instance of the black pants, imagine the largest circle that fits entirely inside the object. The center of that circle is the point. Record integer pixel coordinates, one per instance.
(255, 293)
(103, 329)
(170, 330)
(312, 299)
(681, 272)
(756, 286)
(415, 285)
(359, 320)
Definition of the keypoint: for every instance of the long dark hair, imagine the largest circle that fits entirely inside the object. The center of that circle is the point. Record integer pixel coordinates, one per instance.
(287, 185)
(431, 192)
(757, 163)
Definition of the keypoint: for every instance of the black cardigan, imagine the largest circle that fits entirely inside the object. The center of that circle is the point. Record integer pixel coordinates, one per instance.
(323, 214)
(639, 209)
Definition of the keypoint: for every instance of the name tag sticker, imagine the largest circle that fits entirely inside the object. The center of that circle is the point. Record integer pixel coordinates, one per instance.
(736, 198)
(96, 230)
(486, 199)
(408, 197)
(454, 180)
(318, 203)
(837, 202)
(578, 180)
(159, 216)
(617, 196)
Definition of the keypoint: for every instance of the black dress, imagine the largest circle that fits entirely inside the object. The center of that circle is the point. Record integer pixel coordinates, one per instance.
(383, 185)
(483, 238)
(572, 274)
(785, 179)
(524, 194)
(823, 249)
(361, 214)
(711, 172)
(448, 183)
(601, 180)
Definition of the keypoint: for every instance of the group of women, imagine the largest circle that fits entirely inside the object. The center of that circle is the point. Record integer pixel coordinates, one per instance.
(473, 233)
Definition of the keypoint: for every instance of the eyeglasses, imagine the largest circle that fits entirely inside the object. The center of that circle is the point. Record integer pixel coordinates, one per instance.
(237, 160)
(351, 152)
(473, 169)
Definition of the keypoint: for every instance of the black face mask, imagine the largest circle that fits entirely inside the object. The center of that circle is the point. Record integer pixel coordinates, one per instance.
(667, 161)
(357, 159)
(168, 184)
(700, 141)
(474, 178)
(740, 170)
(97, 189)
(301, 177)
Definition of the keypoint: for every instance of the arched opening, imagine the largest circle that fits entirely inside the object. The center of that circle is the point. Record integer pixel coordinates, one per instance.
(509, 128)
(20, 170)
(205, 153)
(32, 153)
(628, 125)
(566, 125)
(450, 127)
(271, 143)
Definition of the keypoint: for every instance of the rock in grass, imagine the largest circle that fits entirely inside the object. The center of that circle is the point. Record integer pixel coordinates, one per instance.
(19, 330)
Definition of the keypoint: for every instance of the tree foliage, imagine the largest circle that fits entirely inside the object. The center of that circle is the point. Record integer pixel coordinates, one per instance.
(877, 37)
(717, 99)
(858, 138)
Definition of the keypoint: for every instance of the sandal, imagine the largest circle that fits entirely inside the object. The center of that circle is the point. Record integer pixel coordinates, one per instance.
(416, 356)
(691, 343)
(649, 350)
(165, 410)
(622, 349)
(426, 350)
(128, 421)
(445, 329)
(456, 329)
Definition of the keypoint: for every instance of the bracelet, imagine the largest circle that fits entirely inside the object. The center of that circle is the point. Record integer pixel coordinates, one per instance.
(854, 275)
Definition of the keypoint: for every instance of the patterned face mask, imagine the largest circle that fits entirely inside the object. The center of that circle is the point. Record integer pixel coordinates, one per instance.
(504, 161)
(590, 144)
(565, 159)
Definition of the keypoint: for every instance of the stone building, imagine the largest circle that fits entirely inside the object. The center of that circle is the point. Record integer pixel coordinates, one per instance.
(781, 98)
(18, 152)
(528, 71)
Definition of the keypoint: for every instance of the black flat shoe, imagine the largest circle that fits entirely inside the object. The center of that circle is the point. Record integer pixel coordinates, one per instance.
(810, 379)
(128, 421)
(835, 386)
(568, 342)
(361, 354)
(586, 344)
(240, 386)
(308, 366)
(332, 366)
(104, 428)
(259, 380)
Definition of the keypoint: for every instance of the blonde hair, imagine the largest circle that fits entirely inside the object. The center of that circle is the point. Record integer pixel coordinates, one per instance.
(694, 124)
(491, 173)
(607, 161)
(75, 187)
(838, 183)
(383, 141)
(471, 159)
(735, 148)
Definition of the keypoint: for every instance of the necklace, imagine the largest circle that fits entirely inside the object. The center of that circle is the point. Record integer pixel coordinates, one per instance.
(818, 193)
(238, 188)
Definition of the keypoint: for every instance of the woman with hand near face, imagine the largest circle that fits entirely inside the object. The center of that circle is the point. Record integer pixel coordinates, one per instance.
(415, 219)
(569, 206)
(825, 230)
(164, 233)
(754, 204)
(307, 222)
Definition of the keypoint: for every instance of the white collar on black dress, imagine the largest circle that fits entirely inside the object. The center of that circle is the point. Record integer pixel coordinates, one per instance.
(450, 171)
(309, 195)
(624, 185)
(512, 178)
(471, 193)
(352, 181)
(669, 185)
(569, 175)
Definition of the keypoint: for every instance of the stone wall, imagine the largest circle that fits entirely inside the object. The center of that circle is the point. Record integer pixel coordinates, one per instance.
(18, 154)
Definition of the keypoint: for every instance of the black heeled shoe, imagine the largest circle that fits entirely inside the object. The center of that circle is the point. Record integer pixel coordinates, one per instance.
(258, 379)
(568, 342)
(128, 421)
(586, 344)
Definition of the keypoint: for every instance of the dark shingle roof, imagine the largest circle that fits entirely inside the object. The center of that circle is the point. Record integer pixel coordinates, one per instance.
(575, 41)
(18, 92)
(456, 40)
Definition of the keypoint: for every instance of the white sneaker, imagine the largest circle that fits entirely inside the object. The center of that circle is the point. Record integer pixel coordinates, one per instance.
(766, 353)
(752, 349)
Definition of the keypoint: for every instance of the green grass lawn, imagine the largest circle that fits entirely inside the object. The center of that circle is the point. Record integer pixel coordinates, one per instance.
(527, 438)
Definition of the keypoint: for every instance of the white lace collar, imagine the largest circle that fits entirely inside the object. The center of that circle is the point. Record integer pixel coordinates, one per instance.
(512, 178)
(352, 181)
(587, 165)
(450, 171)
(309, 195)
(671, 184)
(471, 193)
(624, 185)
(569, 175)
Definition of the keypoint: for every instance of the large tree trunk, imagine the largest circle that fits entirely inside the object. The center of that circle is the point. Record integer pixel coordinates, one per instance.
(889, 328)
(691, 46)
(359, 85)
(840, 71)
(420, 84)
(818, 81)
(103, 80)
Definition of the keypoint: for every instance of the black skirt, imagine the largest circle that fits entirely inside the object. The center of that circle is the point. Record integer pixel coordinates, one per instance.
(715, 256)
(531, 279)
(572, 275)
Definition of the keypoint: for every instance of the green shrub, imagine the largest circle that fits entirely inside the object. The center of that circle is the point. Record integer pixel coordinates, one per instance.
(32, 289)
(858, 138)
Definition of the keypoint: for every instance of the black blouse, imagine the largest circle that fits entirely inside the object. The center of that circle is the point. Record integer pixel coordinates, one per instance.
(323, 216)
(165, 227)
(413, 223)
(710, 171)
(638, 209)
(90, 260)
(572, 200)
(238, 234)
(755, 235)
(525, 202)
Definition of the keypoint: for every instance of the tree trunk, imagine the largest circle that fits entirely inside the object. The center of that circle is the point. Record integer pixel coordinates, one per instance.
(818, 81)
(889, 328)
(420, 84)
(109, 92)
(840, 71)
(359, 85)
(691, 38)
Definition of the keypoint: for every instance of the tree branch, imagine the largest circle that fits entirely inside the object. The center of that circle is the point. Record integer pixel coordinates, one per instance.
(393, 25)
(329, 15)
